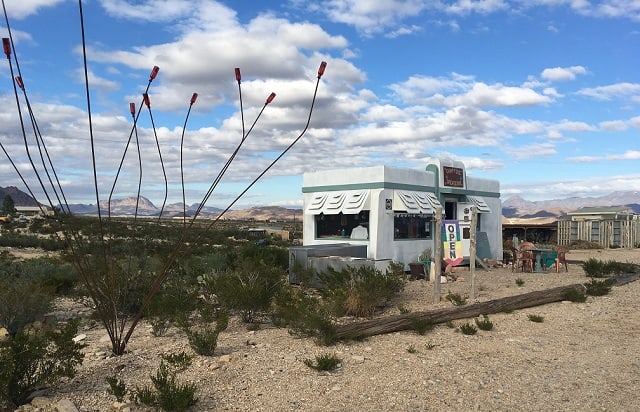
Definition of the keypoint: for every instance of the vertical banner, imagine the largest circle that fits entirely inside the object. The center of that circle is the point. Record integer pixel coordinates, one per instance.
(452, 242)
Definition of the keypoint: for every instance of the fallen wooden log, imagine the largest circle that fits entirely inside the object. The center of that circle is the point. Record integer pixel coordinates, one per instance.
(407, 321)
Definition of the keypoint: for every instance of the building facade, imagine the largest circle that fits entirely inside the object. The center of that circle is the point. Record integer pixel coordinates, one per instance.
(391, 210)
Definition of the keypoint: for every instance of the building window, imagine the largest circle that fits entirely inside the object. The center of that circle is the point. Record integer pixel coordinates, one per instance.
(411, 226)
(343, 225)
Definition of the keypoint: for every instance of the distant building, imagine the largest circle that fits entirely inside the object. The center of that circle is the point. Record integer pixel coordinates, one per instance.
(607, 226)
(33, 210)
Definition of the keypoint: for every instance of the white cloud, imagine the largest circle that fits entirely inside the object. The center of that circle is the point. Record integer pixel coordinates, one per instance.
(562, 73)
(614, 125)
(150, 10)
(611, 91)
(628, 155)
(369, 17)
(476, 6)
(532, 151)
(429, 90)
(484, 95)
(20, 9)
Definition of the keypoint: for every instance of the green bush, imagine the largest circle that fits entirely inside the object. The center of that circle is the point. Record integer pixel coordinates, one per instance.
(456, 299)
(249, 289)
(422, 325)
(23, 301)
(179, 361)
(203, 339)
(468, 329)
(117, 387)
(598, 287)
(575, 296)
(596, 268)
(359, 291)
(324, 362)
(484, 323)
(169, 394)
(33, 359)
(519, 282)
(536, 318)
(303, 314)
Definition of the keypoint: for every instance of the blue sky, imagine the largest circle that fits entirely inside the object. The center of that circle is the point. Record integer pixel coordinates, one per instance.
(542, 95)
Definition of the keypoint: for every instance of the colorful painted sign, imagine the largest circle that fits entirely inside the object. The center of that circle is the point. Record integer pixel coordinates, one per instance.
(452, 242)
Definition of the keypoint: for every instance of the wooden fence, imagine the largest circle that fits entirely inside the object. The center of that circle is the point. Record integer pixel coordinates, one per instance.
(607, 233)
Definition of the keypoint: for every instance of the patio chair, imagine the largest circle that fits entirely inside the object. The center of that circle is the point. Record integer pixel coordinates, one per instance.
(522, 260)
(561, 259)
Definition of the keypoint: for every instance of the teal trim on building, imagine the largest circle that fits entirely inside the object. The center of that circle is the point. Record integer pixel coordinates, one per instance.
(400, 186)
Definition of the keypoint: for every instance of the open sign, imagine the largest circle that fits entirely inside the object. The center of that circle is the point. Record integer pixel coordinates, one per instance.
(452, 242)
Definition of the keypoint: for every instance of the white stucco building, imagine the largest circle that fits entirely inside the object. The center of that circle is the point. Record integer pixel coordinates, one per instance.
(391, 210)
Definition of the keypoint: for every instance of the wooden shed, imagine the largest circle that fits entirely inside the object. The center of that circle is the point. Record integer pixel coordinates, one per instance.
(608, 226)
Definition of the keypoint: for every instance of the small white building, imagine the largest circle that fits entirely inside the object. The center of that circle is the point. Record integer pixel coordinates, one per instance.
(391, 210)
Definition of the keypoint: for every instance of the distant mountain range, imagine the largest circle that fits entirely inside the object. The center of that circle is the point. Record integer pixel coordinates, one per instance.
(513, 207)
(516, 206)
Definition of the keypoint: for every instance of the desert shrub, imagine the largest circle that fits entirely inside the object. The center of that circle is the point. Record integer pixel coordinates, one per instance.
(174, 302)
(594, 268)
(117, 387)
(23, 301)
(277, 257)
(359, 291)
(422, 325)
(167, 393)
(535, 318)
(32, 359)
(179, 361)
(203, 338)
(616, 268)
(574, 295)
(412, 349)
(468, 329)
(519, 281)
(249, 289)
(456, 299)
(484, 323)
(598, 287)
(303, 314)
(403, 309)
(324, 362)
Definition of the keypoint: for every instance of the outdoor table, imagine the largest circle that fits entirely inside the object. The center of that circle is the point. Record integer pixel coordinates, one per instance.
(539, 258)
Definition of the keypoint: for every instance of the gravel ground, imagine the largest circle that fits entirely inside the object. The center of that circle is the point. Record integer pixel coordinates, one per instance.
(582, 357)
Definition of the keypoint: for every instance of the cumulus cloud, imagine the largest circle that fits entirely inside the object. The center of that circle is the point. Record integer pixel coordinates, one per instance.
(20, 9)
(464, 90)
(611, 91)
(562, 73)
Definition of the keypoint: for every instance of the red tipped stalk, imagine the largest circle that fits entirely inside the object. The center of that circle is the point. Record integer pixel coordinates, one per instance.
(147, 102)
(194, 97)
(154, 73)
(6, 44)
(270, 98)
(323, 66)
(238, 76)
(132, 109)
(20, 83)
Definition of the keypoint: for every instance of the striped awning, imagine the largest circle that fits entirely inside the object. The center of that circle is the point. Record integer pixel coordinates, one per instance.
(415, 202)
(479, 203)
(348, 202)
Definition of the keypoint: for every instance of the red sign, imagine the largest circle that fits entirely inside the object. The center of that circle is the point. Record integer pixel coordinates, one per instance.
(452, 176)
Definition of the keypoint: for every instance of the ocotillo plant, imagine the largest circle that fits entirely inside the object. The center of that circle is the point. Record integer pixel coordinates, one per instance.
(108, 278)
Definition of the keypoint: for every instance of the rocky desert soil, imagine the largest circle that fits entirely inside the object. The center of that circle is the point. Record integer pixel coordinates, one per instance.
(582, 357)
